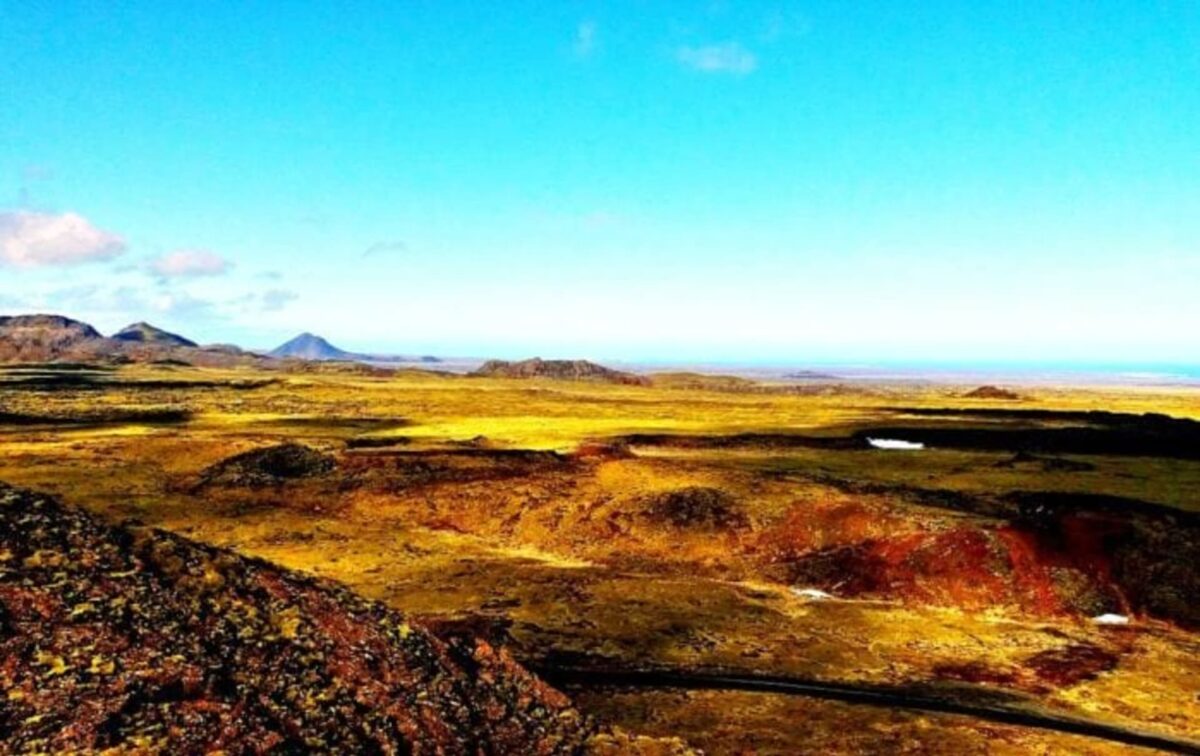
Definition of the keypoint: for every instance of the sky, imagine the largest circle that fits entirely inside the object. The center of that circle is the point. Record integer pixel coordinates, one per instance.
(718, 181)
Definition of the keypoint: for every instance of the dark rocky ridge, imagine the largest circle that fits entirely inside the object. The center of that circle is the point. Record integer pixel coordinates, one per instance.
(135, 639)
(569, 370)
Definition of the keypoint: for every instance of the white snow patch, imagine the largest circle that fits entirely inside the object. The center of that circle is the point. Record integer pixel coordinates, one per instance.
(895, 443)
(1111, 619)
(812, 594)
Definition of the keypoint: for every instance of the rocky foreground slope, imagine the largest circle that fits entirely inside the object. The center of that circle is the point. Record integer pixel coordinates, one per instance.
(129, 637)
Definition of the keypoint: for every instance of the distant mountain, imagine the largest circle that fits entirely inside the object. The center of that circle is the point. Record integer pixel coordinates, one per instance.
(144, 333)
(568, 370)
(45, 338)
(54, 338)
(308, 346)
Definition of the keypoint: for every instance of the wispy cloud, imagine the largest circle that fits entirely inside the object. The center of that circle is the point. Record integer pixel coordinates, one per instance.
(130, 302)
(32, 239)
(271, 300)
(384, 248)
(728, 57)
(585, 39)
(189, 263)
(274, 300)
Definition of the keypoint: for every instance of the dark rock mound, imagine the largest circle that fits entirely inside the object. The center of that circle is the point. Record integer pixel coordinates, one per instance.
(563, 370)
(992, 392)
(1072, 664)
(696, 507)
(136, 640)
(144, 333)
(269, 466)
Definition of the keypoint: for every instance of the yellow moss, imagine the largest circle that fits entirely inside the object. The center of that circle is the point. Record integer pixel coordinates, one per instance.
(101, 666)
(44, 558)
(55, 664)
(287, 622)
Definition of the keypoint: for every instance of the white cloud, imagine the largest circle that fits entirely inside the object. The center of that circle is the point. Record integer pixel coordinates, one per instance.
(729, 57)
(180, 304)
(585, 39)
(31, 239)
(189, 263)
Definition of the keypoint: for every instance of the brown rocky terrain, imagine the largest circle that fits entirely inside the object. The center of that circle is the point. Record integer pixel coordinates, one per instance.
(569, 370)
(58, 339)
(43, 338)
(131, 638)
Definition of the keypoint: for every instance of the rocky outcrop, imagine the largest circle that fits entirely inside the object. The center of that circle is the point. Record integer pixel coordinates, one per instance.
(563, 370)
(695, 507)
(269, 466)
(992, 392)
(46, 338)
(136, 640)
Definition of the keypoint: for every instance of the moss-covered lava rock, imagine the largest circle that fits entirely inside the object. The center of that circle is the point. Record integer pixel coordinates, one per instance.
(130, 637)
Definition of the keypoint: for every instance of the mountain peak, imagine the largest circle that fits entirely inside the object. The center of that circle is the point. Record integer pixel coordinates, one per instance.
(309, 346)
(145, 333)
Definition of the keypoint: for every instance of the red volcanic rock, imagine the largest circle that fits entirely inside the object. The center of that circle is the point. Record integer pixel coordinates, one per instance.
(137, 640)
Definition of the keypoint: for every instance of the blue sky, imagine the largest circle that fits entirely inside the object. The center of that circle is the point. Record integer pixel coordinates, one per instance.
(712, 180)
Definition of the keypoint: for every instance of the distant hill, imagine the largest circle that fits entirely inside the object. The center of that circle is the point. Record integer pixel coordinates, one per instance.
(992, 392)
(54, 338)
(309, 346)
(144, 333)
(810, 375)
(567, 370)
(46, 338)
(703, 382)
